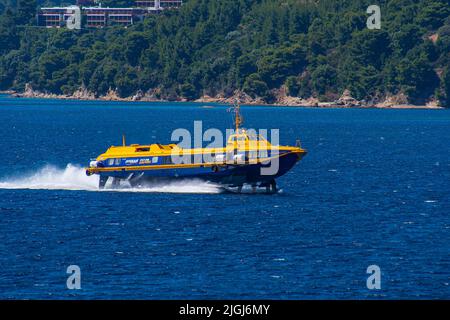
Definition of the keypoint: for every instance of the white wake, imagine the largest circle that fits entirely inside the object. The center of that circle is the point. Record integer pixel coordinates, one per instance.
(73, 177)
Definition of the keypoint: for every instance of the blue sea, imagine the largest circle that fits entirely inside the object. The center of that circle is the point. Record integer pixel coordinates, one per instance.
(373, 190)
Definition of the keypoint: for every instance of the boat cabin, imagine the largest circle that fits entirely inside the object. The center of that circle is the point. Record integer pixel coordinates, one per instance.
(247, 140)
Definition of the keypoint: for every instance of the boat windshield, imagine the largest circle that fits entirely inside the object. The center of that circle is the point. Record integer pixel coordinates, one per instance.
(253, 136)
(247, 136)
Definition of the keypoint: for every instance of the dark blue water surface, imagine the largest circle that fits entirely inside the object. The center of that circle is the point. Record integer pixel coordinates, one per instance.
(373, 189)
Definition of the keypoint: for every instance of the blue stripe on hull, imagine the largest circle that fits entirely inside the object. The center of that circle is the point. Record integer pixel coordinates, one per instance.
(231, 174)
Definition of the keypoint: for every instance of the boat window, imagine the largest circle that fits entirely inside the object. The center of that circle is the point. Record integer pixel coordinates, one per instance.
(262, 139)
(220, 158)
(142, 149)
(110, 162)
(253, 154)
(196, 158)
(237, 138)
(263, 153)
(167, 160)
(118, 160)
(252, 136)
(155, 160)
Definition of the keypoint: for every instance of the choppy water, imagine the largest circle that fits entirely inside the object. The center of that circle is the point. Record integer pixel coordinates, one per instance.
(374, 189)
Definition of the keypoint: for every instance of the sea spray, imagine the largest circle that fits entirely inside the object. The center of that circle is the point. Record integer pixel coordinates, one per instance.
(73, 177)
(182, 186)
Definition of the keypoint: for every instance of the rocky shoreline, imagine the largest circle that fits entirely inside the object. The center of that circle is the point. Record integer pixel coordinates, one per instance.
(281, 99)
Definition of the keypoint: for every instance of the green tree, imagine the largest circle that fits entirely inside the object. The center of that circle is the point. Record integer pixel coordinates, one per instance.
(292, 86)
(416, 76)
(26, 11)
(323, 79)
(8, 32)
(135, 43)
(433, 13)
(255, 87)
(278, 64)
(445, 98)
(188, 91)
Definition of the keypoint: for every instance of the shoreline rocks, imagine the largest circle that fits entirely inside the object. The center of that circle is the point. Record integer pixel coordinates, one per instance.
(281, 98)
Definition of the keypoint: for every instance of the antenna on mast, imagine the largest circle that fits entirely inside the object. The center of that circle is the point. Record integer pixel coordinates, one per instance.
(238, 120)
(123, 140)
